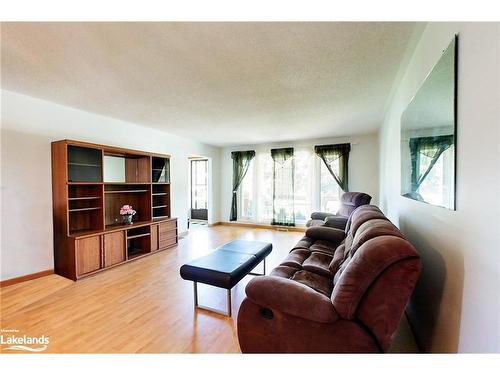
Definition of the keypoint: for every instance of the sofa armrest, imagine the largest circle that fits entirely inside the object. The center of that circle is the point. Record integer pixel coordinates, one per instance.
(320, 215)
(337, 222)
(292, 298)
(325, 233)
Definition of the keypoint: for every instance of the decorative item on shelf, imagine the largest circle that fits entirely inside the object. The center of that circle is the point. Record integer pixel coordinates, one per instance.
(127, 212)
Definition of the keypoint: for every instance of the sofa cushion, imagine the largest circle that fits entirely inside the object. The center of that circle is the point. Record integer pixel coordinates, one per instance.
(337, 222)
(327, 234)
(318, 263)
(362, 215)
(324, 247)
(351, 200)
(371, 229)
(315, 223)
(317, 282)
(337, 259)
(320, 215)
(283, 271)
(295, 258)
(304, 243)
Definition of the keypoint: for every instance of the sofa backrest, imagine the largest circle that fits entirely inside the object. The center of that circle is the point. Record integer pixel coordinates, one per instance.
(377, 274)
(351, 200)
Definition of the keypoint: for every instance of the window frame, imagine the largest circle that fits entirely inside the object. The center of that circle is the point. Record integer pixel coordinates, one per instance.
(194, 184)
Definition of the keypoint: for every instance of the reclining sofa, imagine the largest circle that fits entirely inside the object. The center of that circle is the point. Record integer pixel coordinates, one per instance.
(336, 292)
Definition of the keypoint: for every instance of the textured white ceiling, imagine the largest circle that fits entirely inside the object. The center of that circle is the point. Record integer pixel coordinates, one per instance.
(219, 83)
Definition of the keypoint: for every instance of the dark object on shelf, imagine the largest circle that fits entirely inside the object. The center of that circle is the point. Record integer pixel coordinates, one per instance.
(336, 292)
(225, 267)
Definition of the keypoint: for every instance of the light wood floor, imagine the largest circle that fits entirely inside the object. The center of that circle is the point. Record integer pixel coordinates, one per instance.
(143, 306)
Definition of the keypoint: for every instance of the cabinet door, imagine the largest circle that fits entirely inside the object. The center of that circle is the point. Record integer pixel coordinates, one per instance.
(154, 237)
(114, 248)
(88, 254)
(167, 235)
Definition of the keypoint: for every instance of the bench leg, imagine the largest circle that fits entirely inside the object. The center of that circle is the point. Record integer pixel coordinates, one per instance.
(260, 274)
(198, 306)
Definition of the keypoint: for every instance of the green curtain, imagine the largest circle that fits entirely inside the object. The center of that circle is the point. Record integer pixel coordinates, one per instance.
(431, 147)
(283, 189)
(241, 162)
(330, 154)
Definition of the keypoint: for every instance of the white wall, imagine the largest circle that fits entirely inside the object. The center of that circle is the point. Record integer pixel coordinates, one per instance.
(29, 125)
(363, 165)
(456, 306)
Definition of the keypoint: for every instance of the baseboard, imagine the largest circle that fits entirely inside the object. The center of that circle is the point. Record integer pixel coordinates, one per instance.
(20, 279)
(215, 224)
(262, 226)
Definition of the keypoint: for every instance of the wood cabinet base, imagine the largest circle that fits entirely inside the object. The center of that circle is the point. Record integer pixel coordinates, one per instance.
(96, 252)
(122, 263)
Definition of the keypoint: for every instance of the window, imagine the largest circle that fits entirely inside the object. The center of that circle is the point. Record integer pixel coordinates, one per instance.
(314, 188)
(246, 206)
(256, 190)
(437, 187)
(199, 183)
(264, 188)
(303, 185)
(329, 189)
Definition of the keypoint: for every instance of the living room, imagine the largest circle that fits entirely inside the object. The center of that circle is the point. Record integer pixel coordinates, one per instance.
(250, 187)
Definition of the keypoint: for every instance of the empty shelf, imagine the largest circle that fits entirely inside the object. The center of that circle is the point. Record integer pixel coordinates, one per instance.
(85, 165)
(138, 235)
(84, 209)
(124, 191)
(82, 198)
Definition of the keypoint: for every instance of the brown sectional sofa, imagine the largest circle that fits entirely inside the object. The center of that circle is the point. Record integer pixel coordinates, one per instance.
(336, 292)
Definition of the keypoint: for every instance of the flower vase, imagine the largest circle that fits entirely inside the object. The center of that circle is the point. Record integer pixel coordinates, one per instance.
(127, 219)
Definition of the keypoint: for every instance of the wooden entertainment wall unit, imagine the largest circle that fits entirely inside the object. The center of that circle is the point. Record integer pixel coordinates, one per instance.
(90, 183)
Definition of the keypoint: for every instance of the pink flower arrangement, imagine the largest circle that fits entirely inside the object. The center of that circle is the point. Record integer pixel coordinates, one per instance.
(127, 210)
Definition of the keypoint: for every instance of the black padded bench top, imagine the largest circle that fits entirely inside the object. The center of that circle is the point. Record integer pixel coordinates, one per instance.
(228, 264)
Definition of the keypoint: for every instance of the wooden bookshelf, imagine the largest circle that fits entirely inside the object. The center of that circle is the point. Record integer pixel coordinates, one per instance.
(89, 235)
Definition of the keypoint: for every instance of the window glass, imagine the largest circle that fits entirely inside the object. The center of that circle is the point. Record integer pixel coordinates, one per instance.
(330, 190)
(314, 188)
(435, 188)
(246, 207)
(303, 185)
(264, 181)
(199, 182)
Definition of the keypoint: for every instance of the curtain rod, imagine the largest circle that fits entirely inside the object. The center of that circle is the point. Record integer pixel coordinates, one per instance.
(243, 147)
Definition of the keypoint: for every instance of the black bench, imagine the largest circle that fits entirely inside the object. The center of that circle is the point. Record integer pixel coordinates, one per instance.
(225, 267)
